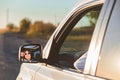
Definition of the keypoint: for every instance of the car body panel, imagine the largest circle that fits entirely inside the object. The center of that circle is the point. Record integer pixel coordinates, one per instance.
(28, 71)
(54, 73)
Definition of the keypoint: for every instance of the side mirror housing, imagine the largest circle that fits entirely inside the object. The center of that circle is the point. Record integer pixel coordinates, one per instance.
(30, 53)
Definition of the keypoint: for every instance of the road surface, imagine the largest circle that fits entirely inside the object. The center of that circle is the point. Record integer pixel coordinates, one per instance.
(9, 46)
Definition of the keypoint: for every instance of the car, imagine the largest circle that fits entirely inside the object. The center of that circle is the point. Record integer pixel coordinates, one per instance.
(92, 26)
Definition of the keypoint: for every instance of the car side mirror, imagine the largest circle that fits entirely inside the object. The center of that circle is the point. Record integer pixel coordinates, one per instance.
(30, 53)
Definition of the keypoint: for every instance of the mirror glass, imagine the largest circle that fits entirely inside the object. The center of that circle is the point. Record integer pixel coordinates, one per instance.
(30, 53)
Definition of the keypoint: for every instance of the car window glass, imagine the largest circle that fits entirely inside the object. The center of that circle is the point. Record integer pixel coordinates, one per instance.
(78, 40)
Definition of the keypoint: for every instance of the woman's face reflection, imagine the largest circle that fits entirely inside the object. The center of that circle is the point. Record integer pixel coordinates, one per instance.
(27, 55)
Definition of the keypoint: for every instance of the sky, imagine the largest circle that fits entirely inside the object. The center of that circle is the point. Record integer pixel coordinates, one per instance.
(13, 11)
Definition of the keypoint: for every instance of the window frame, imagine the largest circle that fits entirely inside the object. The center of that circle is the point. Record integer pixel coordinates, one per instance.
(51, 49)
(65, 30)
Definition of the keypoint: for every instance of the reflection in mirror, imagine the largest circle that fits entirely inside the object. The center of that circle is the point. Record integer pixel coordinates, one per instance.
(30, 53)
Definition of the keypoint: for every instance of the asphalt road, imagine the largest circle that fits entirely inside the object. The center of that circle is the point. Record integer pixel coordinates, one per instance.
(9, 46)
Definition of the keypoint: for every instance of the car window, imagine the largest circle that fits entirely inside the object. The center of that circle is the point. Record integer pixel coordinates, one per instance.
(78, 40)
(109, 59)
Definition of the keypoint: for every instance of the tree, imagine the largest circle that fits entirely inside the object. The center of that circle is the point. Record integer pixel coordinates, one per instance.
(49, 28)
(93, 16)
(24, 25)
(39, 28)
(10, 26)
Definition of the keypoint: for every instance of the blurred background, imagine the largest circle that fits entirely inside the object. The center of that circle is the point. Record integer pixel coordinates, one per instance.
(25, 22)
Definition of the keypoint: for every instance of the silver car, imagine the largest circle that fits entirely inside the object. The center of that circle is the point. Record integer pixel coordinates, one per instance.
(92, 26)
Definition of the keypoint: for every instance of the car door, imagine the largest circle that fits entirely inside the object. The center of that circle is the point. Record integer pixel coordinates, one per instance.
(108, 65)
(28, 71)
(59, 60)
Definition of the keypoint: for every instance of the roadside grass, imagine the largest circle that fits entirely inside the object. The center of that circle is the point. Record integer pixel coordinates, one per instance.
(76, 43)
(79, 38)
(5, 30)
(2, 31)
(37, 35)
